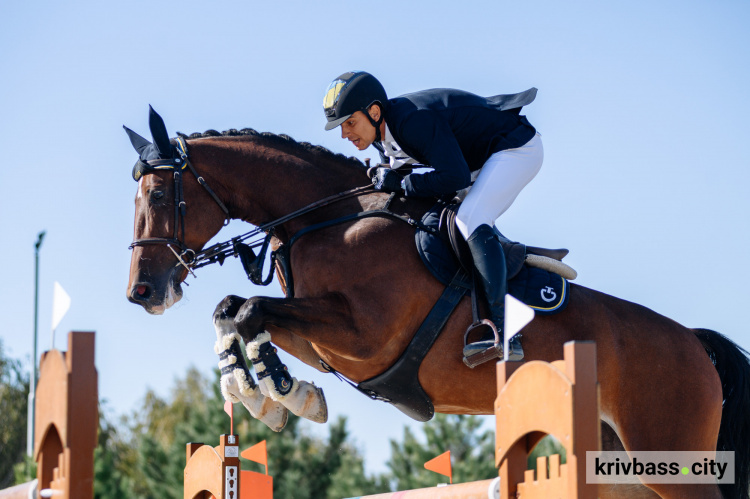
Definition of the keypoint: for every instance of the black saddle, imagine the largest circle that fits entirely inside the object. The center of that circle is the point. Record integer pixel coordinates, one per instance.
(515, 253)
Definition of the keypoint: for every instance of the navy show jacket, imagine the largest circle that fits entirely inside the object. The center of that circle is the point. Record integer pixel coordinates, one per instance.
(454, 132)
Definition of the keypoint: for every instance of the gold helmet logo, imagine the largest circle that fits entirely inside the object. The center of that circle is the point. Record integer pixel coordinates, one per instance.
(332, 94)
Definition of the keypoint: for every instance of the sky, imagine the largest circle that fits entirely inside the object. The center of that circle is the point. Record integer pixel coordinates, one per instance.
(642, 106)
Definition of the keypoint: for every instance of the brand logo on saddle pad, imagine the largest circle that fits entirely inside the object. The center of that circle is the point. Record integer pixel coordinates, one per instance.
(548, 294)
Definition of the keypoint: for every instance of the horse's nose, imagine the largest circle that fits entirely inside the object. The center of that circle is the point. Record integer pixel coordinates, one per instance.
(140, 293)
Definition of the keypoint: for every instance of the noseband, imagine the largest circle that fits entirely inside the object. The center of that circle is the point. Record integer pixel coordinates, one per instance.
(177, 164)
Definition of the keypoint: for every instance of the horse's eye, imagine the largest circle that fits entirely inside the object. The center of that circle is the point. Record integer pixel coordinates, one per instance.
(157, 194)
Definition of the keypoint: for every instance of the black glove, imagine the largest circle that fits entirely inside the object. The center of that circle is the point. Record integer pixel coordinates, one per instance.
(386, 180)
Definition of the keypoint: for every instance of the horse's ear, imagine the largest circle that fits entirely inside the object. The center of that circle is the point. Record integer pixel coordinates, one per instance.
(139, 143)
(159, 133)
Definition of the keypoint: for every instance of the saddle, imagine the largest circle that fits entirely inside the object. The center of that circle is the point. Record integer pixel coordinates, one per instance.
(515, 253)
(543, 290)
(447, 256)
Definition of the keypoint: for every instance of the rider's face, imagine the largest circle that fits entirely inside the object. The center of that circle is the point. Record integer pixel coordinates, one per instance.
(359, 130)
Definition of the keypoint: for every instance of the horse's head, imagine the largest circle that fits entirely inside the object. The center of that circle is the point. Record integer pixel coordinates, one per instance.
(174, 218)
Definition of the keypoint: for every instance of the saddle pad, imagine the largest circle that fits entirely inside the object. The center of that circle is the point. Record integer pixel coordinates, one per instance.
(545, 292)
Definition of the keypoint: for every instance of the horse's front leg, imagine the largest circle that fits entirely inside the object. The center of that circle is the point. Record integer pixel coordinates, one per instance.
(302, 398)
(237, 384)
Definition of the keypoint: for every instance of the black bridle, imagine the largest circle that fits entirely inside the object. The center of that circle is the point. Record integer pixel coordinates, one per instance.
(236, 246)
(177, 164)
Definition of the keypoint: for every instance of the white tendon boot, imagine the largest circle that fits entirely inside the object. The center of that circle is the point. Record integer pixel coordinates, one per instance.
(237, 384)
(302, 398)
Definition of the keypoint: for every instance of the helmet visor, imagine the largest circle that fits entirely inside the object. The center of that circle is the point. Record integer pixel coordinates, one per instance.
(332, 96)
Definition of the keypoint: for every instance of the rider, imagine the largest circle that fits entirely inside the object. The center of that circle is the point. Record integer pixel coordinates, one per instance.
(455, 133)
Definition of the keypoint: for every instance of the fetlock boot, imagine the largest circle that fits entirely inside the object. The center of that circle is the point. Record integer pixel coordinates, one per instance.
(491, 276)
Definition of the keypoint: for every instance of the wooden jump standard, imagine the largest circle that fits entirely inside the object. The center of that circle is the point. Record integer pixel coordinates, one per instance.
(66, 422)
(215, 473)
(536, 399)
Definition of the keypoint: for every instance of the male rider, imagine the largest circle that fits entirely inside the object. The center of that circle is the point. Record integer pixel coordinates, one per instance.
(454, 133)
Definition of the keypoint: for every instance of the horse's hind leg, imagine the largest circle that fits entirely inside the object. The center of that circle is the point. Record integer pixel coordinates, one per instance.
(237, 384)
(611, 442)
(680, 412)
(302, 398)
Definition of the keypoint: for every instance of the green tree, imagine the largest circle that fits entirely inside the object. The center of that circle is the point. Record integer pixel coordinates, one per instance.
(14, 396)
(145, 458)
(472, 452)
(113, 461)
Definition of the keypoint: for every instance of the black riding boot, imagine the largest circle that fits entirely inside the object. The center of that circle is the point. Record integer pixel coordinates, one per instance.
(491, 274)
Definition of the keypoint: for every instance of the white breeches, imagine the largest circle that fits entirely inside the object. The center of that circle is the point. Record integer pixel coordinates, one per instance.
(500, 181)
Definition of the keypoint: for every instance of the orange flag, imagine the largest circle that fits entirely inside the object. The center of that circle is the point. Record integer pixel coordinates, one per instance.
(441, 464)
(257, 453)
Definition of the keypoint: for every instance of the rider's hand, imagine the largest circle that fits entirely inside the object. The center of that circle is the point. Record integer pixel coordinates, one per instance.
(386, 180)
(372, 170)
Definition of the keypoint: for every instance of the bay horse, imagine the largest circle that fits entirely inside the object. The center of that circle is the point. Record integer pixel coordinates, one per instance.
(360, 292)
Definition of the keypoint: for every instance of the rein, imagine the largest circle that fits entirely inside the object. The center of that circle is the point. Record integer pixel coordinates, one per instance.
(236, 246)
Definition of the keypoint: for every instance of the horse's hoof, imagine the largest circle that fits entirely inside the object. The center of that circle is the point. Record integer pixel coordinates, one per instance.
(314, 406)
(272, 414)
(305, 400)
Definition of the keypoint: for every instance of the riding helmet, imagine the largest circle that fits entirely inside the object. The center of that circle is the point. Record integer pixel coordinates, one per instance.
(351, 92)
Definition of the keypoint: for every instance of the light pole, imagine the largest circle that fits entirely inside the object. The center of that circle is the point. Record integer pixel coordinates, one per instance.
(32, 390)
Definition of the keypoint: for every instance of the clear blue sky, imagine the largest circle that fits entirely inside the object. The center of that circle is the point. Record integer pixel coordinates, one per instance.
(643, 107)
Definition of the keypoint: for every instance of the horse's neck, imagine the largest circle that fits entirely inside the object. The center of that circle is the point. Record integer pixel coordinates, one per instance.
(260, 183)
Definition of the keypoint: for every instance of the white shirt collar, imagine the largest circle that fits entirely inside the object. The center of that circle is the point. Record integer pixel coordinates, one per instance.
(393, 151)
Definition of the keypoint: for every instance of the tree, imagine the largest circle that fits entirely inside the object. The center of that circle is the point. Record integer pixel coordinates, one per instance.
(472, 452)
(146, 457)
(113, 461)
(14, 397)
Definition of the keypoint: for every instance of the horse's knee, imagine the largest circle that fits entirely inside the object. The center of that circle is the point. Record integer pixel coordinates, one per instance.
(249, 318)
(228, 308)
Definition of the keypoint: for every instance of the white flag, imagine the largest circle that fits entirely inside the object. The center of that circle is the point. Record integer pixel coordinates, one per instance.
(60, 305)
(517, 315)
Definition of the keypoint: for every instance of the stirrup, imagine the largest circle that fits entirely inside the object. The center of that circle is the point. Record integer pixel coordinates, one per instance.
(482, 351)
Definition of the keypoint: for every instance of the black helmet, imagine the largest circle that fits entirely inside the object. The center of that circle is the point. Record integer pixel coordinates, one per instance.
(351, 92)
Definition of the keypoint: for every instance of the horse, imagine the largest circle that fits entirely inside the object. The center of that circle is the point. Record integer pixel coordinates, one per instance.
(360, 291)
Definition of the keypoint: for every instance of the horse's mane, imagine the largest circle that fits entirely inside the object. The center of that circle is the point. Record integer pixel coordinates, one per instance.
(281, 140)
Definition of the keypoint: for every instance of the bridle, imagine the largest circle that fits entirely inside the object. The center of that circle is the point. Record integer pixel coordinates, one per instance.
(236, 246)
(177, 164)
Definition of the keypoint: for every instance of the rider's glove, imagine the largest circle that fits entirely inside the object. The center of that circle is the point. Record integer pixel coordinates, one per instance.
(386, 180)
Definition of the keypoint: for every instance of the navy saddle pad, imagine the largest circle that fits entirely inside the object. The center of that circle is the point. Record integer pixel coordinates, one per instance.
(544, 291)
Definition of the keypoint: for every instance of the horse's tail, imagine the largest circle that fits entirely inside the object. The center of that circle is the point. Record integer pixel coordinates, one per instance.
(732, 364)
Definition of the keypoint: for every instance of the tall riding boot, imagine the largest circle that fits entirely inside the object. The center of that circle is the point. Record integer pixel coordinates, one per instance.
(491, 274)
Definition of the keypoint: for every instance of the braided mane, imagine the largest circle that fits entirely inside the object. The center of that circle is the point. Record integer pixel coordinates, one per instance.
(281, 140)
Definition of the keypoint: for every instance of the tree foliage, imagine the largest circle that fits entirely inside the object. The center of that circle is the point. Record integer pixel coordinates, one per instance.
(14, 396)
(142, 455)
(146, 457)
(472, 452)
